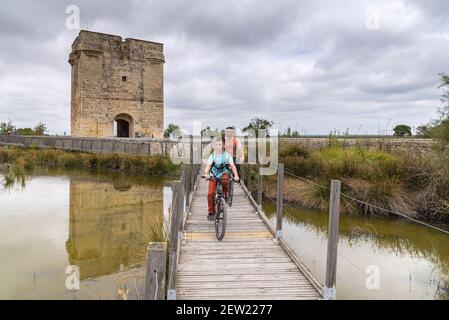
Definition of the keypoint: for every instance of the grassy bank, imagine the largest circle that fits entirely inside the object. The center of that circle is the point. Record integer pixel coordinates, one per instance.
(413, 184)
(18, 162)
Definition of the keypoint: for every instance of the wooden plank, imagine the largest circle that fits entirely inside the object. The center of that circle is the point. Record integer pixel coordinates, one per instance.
(186, 278)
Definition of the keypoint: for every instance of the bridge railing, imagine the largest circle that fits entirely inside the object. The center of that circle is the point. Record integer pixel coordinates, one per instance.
(247, 172)
(158, 267)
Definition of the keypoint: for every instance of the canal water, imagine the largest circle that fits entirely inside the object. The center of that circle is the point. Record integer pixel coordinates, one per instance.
(378, 258)
(101, 225)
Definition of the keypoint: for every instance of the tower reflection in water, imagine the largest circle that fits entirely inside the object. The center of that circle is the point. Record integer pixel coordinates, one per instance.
(111, 224)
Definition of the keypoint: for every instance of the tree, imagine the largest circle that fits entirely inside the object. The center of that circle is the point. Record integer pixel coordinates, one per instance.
(444, 85)
(6, 127)
(208, 132)
(424, 131)
(40, 129)
(290, 133)
(170, 129)
(258, 123)
(439, 128)
(402, 130)
(25, 132)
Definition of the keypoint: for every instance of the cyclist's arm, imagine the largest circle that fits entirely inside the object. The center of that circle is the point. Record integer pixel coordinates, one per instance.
(233, 168)
(210, 161)
(234, 171)
(207, 170)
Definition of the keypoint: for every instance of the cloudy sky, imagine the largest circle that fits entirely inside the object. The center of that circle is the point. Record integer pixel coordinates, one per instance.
(311, 65)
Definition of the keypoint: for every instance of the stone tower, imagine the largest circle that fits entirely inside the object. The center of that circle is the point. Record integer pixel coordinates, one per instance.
(117, 86)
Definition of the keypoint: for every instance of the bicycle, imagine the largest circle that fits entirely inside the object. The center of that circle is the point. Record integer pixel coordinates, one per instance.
(220, 217)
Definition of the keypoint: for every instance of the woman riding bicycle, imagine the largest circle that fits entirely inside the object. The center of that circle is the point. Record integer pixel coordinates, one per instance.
(218, 164)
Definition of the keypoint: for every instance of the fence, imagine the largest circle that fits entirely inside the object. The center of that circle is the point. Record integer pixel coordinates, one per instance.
(85, 144)
(135, 146)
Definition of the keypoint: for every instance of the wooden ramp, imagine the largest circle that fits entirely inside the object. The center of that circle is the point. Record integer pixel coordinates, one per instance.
(247, 264)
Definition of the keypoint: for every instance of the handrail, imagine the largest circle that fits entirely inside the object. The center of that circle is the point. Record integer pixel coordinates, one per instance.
(258, 207)
(182, 192)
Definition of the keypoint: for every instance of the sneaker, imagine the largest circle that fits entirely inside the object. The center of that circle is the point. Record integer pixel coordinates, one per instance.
(211, 216)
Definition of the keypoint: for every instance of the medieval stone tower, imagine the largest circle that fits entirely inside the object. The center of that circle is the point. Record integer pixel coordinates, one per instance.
(117, 86)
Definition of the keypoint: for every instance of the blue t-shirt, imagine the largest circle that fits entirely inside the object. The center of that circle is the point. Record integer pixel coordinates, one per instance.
(219, 163)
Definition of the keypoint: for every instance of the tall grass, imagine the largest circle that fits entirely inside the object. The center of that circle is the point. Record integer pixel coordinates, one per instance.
(412, 184)
(21, 161)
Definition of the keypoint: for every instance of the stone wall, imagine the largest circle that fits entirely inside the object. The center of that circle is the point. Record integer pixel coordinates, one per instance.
(114, 78)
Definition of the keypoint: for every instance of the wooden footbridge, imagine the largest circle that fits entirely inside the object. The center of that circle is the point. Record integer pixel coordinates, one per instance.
(253, 261)
(247, 264)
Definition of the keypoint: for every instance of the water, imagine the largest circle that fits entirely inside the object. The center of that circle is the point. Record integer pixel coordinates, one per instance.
(101, 224)
(410, 261)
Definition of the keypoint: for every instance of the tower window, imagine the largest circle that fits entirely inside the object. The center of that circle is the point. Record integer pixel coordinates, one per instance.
(124, 78)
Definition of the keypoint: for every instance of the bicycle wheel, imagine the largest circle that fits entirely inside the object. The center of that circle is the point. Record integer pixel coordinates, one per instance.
(220, 219)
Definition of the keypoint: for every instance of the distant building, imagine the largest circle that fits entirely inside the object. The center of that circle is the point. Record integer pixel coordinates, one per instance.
(117, 86)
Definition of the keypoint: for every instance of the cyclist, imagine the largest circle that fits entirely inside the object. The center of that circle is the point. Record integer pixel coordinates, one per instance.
(234, 147)
(218, 163)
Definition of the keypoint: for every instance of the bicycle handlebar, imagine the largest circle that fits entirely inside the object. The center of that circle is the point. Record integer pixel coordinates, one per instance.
(211, 177)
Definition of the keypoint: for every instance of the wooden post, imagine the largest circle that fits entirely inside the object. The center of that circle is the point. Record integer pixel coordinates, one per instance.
(249, 178)
(330, 292)
(187, 184)
(155, 271)
(175, 217)
(259, 189)
(279, 201)
(173, 241)
(242, 173)
(172, 268)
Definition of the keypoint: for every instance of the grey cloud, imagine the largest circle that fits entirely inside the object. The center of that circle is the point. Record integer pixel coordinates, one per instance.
(310, 64)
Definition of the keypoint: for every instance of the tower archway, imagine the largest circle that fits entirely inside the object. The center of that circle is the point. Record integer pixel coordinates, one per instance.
(123, 126)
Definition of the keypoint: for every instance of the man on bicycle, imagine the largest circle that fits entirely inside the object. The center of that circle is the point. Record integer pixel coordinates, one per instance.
(218, 164)
(234, 147)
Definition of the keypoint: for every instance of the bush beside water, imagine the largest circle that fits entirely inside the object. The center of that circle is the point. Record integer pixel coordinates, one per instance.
(413, 184)
(21, 161)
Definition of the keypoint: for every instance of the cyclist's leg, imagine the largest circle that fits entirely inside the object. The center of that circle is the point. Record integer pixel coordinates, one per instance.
(225, 182)
(237, 165)
(211, 197)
